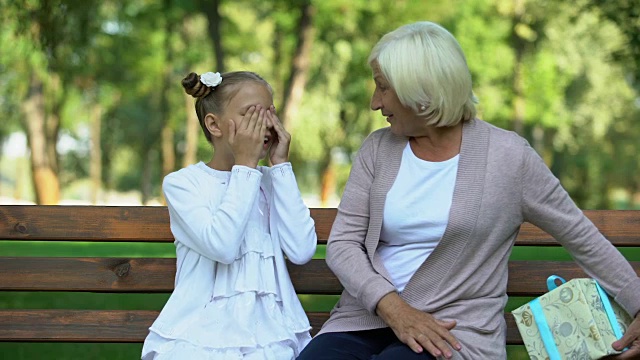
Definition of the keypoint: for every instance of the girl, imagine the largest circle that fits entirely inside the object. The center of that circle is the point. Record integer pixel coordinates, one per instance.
(232, 220)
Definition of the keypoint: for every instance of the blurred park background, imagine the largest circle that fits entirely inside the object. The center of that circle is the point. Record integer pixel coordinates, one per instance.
(93, 111)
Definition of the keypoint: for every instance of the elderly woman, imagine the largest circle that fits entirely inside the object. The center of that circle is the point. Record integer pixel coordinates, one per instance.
(431, 210)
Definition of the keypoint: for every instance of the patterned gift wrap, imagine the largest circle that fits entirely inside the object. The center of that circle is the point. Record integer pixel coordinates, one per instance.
(575, 322)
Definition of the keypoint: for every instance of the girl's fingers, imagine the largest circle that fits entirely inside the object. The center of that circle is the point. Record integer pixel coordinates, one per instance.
(273, 117)
(276, 121)
(272, 121)
(259, 119)
(262, 122)
(246, 119)
(253, 119)
(279, 128)
(270, 118)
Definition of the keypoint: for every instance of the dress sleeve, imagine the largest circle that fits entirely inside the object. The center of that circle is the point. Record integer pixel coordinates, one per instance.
(346, 252)
(548, 206)
(295, 227)
(215, 232)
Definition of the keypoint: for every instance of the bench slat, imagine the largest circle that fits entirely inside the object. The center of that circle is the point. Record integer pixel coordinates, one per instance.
(121, 326)
(151, 224)
(84, 223)
(153, 275)
(115, 326)
(621, 227)
(135, 275)
(105, 223)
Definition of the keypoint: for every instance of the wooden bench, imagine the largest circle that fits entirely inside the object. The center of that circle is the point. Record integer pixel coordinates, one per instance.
(156, 275)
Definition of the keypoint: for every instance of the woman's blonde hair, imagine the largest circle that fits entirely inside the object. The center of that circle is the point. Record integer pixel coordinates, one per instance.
(427, 68)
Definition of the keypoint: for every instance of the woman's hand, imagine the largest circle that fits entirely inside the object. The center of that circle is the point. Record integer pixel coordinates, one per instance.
(279, 152)
(247, 139)
(417, 329)
(631, 340)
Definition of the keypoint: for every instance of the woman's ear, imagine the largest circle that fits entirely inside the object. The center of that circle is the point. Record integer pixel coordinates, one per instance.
(212, 122)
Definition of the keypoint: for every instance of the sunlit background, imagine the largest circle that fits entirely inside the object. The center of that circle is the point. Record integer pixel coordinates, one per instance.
(93, 111)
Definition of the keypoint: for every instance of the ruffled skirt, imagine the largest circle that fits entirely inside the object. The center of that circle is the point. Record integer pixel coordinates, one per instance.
(245, 318)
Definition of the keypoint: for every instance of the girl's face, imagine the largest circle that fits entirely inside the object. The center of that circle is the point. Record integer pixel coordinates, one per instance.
(403, 120)
(250, 93)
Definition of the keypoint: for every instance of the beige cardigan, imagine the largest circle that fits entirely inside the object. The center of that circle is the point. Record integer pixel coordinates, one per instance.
(501, 183)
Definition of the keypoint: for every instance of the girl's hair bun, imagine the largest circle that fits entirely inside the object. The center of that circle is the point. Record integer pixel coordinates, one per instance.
(194, 87)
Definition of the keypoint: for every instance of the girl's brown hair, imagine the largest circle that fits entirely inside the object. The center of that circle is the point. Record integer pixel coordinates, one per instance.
(214, 100)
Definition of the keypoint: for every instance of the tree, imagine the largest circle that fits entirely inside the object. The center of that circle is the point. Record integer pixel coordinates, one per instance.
(47, 32)
(300, 64)
(212, 11)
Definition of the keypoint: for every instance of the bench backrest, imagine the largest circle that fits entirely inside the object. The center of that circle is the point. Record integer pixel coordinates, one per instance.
(156, 274)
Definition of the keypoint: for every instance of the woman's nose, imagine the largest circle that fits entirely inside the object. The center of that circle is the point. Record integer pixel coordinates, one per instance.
(376, 104)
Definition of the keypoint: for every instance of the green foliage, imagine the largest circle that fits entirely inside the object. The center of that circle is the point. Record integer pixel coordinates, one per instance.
(626, 15)
(485, 40)
(579, 77)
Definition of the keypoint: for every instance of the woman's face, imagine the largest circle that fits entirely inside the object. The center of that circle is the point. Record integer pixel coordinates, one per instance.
(403, 119)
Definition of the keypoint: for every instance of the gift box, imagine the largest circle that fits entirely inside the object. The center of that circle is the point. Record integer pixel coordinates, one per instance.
(576, 320)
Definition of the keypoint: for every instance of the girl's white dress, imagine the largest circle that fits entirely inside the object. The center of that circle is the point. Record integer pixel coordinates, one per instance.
(242, 306)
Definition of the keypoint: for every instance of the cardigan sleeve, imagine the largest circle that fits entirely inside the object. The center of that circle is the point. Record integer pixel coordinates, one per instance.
(346, 252)
(215, 232)
(548, 206)
(295, 227)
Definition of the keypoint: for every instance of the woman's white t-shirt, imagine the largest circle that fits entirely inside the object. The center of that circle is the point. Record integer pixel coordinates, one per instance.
(416, 213)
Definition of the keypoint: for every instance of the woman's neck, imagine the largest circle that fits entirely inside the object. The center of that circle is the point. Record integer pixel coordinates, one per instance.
(439, 143)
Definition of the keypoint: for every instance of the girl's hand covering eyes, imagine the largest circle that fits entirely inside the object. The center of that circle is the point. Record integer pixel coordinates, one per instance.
(279, 152)
(247, 138)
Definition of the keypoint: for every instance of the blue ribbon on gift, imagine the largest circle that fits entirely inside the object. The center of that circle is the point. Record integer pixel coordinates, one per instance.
(543, 326)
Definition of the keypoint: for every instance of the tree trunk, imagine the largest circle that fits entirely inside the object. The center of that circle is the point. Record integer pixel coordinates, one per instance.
(328, 184)
(168, 150)
(294, 90)
(167, 146)
(95, 165)
(147, 170)
(52, 123)
(278, 40)
(52, 129)
(192, 124)
(212, 11)
(191, 133)
(634, 192)
(39, 135)
(18, 190)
